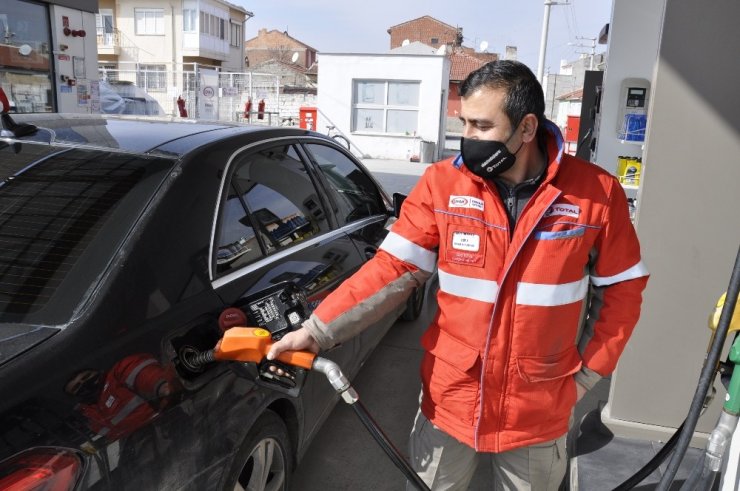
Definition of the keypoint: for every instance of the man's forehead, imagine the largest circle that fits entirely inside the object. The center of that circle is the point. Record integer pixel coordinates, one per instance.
(483, 104)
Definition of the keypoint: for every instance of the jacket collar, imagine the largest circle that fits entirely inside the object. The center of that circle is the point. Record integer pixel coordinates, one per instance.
(554, 154)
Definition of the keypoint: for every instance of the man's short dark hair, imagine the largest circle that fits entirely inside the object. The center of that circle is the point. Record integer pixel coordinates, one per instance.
(523, 91)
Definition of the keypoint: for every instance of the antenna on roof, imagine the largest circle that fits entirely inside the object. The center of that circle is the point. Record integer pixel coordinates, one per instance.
(483, 46)
(405, 42)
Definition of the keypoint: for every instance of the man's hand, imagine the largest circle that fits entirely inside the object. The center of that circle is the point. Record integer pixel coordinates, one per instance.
(298, 340)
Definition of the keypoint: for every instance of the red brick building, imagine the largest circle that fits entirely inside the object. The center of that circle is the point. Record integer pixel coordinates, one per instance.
(280, 46)
(435, 33)
(427, 30)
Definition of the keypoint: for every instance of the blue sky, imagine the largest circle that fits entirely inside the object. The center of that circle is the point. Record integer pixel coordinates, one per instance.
(352, 26)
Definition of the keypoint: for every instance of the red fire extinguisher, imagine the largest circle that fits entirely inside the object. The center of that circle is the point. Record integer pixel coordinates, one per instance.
(247, 108)
(261, 109)
(181, 107)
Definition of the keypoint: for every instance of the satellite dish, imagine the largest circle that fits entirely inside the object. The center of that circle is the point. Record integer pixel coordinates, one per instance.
(295, 56)
(405, 42)
(25, 50)
(442, 50)
(483, 46)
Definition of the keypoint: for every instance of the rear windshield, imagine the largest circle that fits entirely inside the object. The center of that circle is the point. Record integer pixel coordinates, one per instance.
(63, 215)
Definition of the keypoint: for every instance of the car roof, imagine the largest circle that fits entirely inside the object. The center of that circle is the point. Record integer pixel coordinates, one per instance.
(136, 133)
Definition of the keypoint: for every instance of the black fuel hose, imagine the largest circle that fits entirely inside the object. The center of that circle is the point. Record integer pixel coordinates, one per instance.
(388, 446)
(706, 378)
(653, 464)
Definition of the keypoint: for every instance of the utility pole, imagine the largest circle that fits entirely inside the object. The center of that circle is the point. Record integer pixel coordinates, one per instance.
(592, 47)
(543, 39)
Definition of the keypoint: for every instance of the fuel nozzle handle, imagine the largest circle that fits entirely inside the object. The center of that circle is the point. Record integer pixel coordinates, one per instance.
(251, 345)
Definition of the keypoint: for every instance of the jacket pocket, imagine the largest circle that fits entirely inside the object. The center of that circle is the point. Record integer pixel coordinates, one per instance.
(450, 350)
(450, 373)
(552, 367)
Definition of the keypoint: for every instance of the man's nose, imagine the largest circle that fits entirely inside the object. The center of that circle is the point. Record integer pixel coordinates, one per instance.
(470, 131)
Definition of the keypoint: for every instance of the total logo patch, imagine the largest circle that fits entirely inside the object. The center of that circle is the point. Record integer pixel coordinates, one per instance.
(563, 210)
(466, 202)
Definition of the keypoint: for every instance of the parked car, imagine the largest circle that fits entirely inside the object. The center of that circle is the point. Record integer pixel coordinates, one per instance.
(124, 242)
(123, 97)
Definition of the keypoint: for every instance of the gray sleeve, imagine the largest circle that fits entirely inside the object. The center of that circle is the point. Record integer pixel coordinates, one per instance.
(365, 313)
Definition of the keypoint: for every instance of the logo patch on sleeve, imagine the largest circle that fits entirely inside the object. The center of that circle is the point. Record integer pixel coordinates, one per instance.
(465, 202)
(563, 210)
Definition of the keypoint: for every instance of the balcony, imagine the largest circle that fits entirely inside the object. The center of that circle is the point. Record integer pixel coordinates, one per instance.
(109, 43)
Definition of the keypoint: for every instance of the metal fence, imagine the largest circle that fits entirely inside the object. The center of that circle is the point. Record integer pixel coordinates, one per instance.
(207, 93)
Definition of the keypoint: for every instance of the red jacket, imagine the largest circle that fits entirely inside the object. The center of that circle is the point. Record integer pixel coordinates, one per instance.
(513, 325)
(129, 397)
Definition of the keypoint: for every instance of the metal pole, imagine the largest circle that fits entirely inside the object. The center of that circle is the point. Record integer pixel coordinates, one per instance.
(543, 41)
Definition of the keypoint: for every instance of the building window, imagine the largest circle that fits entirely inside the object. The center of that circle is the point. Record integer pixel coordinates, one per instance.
(149, 21)
(108, 72)
(386, 106)
(152, 77)
(213, 25)
(435, 41)
(189, 20)
(236, 34)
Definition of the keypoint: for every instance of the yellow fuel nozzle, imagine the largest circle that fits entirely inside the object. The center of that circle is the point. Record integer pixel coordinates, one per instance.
(715, 315)
(251, 344)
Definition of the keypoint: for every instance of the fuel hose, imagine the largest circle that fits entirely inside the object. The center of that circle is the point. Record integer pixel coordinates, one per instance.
(705, 380)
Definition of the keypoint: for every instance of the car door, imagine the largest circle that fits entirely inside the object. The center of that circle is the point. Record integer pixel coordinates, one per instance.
(362, 209)
(273, 229)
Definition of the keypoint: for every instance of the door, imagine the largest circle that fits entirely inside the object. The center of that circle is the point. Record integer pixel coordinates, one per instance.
(273, 229)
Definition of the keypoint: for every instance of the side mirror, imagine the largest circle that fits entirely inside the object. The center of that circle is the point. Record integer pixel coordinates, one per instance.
(398, 200)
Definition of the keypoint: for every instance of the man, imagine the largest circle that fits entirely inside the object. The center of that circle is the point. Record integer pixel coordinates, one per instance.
(540, 283)
(125, 398)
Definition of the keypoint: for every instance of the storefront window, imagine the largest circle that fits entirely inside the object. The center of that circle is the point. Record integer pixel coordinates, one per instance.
(25, 60)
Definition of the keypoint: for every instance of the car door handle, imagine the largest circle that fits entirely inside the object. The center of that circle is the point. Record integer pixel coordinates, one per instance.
(370, 251)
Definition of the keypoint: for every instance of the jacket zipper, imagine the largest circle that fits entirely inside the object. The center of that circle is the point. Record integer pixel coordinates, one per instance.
(493, 315)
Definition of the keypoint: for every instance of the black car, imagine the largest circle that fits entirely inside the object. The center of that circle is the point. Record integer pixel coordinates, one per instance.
(128, 247)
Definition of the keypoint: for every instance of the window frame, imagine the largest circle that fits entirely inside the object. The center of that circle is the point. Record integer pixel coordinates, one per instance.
(235, 33)
(192, 20)
(158, 73)
(237, 158)
(385, 106)
(328, 190)
(149, 10)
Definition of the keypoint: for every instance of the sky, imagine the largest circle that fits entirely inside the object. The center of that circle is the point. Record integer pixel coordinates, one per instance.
(336, 26)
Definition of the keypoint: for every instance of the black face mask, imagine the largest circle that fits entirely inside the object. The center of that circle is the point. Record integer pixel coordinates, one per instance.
(487, 158)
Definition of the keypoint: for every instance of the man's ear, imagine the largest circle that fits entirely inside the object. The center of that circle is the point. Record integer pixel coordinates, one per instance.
(529, 127)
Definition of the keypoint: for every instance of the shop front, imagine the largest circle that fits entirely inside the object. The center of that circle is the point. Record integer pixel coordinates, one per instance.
(45, 52)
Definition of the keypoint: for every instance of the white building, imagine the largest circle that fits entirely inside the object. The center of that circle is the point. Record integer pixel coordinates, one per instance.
(156, 33)
(386, 104)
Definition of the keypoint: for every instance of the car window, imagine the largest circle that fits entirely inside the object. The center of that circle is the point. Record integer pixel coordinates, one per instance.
(272, 204)
(63, 214)
(355, 194)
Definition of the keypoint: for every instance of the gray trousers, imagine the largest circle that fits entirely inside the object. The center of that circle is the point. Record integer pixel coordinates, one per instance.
(446, 464)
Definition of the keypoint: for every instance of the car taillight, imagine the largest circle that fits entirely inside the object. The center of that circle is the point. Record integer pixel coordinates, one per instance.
(41, 469)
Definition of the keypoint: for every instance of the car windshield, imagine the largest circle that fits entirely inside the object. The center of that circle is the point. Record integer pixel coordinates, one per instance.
(63, 215)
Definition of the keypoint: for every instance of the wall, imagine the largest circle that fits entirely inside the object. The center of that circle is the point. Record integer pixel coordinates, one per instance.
(274, 44)
(688, 220)
(79, 61)
(335, 97)
(634, 36)
(423, 30)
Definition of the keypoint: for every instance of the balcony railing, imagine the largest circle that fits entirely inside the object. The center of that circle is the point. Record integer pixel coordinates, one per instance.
(110, 40)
